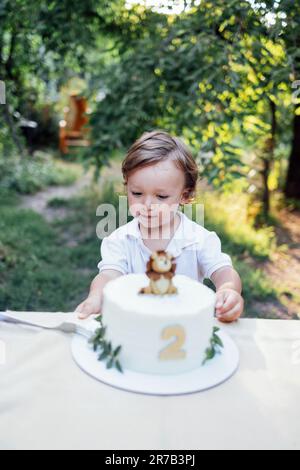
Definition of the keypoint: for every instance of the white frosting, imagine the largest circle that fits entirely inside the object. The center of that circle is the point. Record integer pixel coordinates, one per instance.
(146, 325)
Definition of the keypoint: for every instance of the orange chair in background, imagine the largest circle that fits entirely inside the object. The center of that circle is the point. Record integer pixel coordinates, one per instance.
(72, 130)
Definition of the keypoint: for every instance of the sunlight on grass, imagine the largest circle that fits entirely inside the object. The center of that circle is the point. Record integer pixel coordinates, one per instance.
(227, 215)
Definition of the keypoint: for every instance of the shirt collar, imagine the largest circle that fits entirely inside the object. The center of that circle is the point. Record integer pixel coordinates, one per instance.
(185, 235)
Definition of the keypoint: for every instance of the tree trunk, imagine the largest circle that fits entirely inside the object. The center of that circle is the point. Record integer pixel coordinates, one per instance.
(268, 160)
(292, 186)
(8, 74)
(13, 132)
(266, 191)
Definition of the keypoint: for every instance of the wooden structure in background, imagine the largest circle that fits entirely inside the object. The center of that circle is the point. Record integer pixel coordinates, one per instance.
(72, 130)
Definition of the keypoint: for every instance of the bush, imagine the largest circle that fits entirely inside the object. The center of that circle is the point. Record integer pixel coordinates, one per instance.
(30, 175)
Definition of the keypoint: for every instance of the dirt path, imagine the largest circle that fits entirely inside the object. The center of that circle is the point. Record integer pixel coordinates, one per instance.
(39, 202)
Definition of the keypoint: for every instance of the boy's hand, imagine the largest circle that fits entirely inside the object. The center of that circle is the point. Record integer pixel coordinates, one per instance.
(229, 305)
(91, 306)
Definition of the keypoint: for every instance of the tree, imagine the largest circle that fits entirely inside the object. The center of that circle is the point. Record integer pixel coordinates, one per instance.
(176, 74)
(216, 71)
(286, 28)
(40, 37)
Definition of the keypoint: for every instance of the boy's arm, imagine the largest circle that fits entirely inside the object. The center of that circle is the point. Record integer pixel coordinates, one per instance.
(92, 305)
(102, 279)
(230, 304)
(227, 277)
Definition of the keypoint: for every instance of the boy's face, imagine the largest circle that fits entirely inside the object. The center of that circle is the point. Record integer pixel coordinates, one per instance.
(155, 192)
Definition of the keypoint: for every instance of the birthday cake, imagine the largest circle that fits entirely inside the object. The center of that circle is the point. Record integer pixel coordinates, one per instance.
(159, 322)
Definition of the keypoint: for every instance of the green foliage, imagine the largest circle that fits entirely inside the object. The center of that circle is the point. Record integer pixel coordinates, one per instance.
(42, 43)
(183, 74)
(215, 347)
(6, 143)
(107, 352)
(208, 75)
(30, 175)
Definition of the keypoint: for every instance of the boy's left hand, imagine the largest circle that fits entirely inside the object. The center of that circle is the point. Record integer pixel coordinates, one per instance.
(229, 305)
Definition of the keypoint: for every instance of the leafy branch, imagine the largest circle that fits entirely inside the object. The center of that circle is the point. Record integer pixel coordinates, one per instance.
(216, 345)
(107, 353)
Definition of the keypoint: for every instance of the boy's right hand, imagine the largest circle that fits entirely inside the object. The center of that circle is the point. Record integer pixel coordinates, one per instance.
(91, 306)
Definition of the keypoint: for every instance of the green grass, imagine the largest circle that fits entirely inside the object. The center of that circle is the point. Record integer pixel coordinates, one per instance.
(228, 216)
(37, 270)
(35, 173)
(256, 285)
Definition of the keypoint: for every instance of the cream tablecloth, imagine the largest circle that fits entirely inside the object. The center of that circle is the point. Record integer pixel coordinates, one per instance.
(47, 402)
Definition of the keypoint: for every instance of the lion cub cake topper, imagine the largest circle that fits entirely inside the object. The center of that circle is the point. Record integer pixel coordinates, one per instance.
(160, 270)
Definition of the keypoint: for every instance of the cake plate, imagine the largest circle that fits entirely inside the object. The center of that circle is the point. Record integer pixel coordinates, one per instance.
(213, 373)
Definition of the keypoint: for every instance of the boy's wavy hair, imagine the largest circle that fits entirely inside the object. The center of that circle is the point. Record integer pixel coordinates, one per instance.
(156, 146)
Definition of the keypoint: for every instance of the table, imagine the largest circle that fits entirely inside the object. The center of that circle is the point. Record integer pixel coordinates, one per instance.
(47, 402)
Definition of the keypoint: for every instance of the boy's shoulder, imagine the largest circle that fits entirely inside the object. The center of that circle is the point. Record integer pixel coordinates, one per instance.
(194, 229)
(125, 231)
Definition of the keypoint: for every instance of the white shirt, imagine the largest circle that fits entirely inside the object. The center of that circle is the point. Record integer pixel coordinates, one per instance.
(197, 251)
